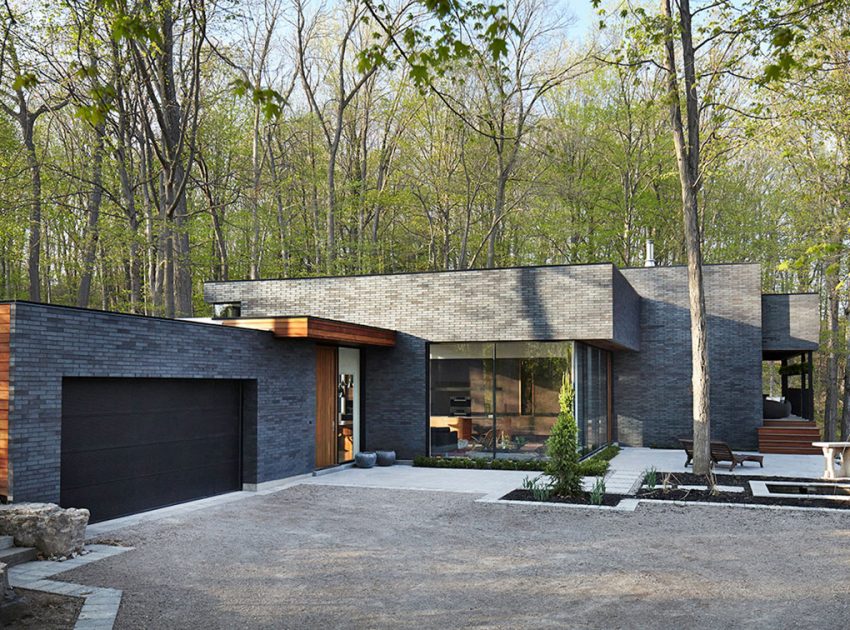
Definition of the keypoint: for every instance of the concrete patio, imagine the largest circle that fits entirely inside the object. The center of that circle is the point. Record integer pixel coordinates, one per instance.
(637, 460)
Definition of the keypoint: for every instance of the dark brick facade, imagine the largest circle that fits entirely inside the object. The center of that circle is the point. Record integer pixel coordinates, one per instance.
(790, 322)
(49, 343)
(641, 313)
(559, 302)
(652, 388)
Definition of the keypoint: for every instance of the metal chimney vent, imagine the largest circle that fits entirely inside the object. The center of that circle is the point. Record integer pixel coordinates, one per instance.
(650, 254)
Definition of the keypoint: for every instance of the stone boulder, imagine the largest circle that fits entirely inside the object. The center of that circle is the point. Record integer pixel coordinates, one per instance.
(52, 530)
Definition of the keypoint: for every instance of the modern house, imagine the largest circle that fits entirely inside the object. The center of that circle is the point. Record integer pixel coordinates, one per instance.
(122, 413)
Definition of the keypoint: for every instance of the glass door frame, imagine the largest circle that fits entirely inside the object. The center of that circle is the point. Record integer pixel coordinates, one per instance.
(354, 354)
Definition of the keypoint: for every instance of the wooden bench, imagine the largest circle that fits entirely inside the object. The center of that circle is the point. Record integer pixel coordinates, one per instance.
(720, 452)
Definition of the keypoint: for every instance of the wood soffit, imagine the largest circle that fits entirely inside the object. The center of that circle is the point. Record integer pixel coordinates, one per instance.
(317, 329)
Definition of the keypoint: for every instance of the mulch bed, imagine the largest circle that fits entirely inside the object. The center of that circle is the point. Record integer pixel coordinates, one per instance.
(609, 500)
(40, 610)
(705, 496)
(696, 496)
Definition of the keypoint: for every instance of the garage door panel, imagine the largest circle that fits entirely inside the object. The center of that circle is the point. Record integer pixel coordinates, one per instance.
(130, 445)
(83, 468)
(157, 490)
(132, 430)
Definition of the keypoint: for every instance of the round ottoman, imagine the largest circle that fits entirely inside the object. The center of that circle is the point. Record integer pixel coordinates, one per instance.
(365, 459)
(385, 458)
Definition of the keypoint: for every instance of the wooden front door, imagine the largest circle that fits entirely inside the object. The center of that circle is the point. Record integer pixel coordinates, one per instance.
(326, 394)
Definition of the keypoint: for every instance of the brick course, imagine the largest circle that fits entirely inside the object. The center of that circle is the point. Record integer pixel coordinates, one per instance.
(652, 388)
(49, 343)
(642, 311)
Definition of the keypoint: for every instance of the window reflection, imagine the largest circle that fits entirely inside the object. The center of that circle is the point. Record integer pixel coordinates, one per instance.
(501, 399)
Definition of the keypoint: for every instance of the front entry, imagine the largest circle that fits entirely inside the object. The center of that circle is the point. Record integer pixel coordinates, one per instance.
(337, 405)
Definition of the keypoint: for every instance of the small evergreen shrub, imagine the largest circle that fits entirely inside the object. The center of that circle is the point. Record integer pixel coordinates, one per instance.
(562, 446)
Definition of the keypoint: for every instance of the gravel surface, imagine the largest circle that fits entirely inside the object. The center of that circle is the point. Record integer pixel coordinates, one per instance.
(332, 557)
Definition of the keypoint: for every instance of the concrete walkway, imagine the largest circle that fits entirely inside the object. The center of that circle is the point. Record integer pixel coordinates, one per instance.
(100, 605)
(637, 460)
(492, 483)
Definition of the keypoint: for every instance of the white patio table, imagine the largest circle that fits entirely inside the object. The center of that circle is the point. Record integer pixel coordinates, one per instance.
(830, 450)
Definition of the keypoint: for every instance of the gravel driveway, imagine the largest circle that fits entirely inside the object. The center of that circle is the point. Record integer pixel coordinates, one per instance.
(334, 557)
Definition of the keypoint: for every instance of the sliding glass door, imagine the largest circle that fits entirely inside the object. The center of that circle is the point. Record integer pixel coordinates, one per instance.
(501, 399)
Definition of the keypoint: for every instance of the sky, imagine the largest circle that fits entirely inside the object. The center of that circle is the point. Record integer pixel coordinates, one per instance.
(583, 13)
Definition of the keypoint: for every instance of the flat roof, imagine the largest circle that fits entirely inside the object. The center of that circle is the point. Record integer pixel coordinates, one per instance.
(470, 270)
(317, 329)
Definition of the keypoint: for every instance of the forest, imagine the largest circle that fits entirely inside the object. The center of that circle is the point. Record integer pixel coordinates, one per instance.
(148, 146)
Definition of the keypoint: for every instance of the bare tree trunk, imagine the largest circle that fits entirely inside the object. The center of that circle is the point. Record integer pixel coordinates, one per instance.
(830, 414)
(498, 211)
(686, 142)
(93, 212)
(254, 270)
(282, 218)
(34, 253)
(845, 407)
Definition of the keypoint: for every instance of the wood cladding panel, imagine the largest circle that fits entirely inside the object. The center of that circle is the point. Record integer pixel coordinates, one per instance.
(318, 329)
(326, 390)
(5, 327)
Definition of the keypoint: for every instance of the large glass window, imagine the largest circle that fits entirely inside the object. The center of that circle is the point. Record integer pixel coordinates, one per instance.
(592, 399)
(501, 399)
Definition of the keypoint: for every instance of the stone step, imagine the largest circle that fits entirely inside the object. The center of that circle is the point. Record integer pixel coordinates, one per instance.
(17, 555)
(6, 542)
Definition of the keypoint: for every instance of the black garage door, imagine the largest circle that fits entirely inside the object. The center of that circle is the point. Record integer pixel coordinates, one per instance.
(130, 445)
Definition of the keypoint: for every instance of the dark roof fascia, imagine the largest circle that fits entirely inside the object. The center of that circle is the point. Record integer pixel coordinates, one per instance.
(448, 271)
(413, 273)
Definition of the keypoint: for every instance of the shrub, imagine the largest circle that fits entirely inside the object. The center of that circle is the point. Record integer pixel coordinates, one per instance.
(479, 463)
(562, 446)
(593, 467)
(608, 453)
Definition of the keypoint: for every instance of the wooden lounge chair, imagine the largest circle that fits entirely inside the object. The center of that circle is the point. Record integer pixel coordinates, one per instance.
(720, 452)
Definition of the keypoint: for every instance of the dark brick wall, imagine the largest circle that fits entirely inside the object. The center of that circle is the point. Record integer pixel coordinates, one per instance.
(652, 388)
(639, 309)
(51, 342)
(558, 302)
(790, 322)
(626, 313)
(395, 397)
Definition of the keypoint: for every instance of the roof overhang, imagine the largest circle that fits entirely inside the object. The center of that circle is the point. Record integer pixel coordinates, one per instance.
(317, 329)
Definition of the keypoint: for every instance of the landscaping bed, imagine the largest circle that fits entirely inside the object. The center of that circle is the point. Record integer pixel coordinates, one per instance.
(744, 496)
(609, 500)
(594, 466)
(40, 610)
(673, 492)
